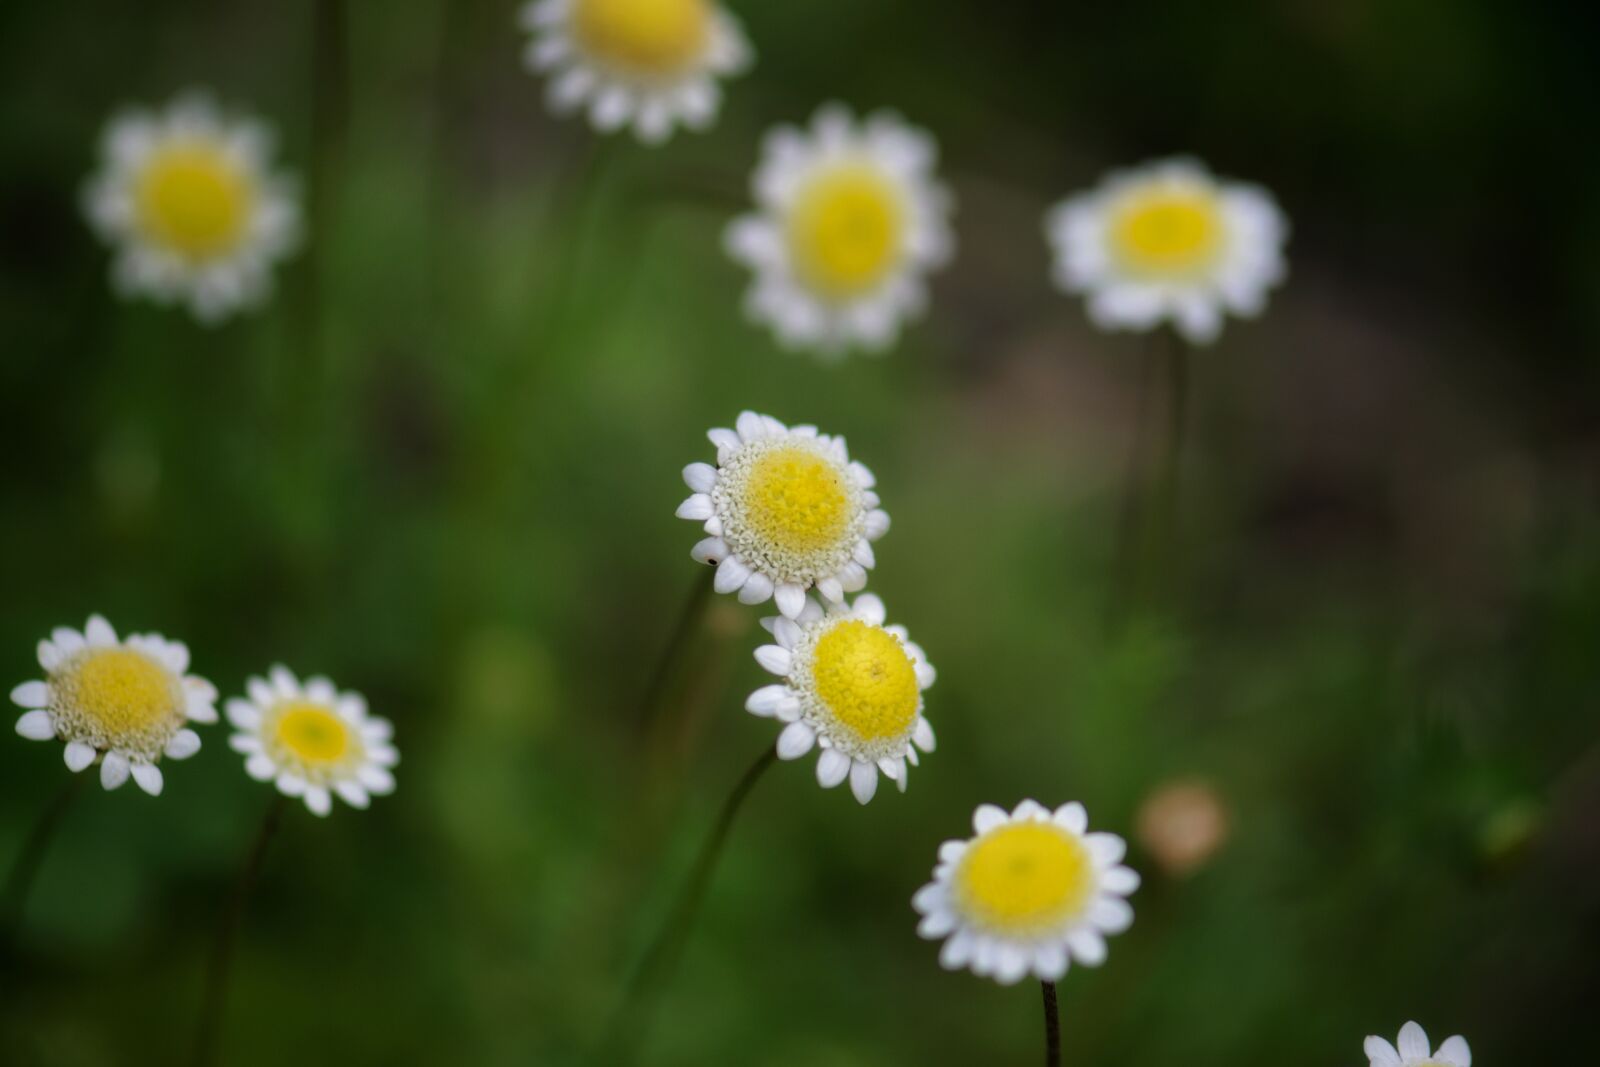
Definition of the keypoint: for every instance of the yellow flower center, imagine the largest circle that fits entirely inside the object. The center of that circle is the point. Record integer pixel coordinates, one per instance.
(313, 733)
(120, 692)
(864, 676)
(1167, 231)
(1024, 877)
(797, 500)
(195, 200)
(646, 37)
(846, 229)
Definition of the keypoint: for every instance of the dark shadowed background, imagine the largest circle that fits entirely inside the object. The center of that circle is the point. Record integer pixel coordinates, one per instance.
(1373, 629)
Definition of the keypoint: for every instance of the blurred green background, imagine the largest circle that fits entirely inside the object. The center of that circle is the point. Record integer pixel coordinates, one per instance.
(441, 467)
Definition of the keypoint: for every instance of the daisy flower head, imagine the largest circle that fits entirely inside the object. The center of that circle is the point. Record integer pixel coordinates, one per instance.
(1168, 242)
(850, 686)
(649, 64)
(850, 219)
(313, 741)
(1032, 891)
(785, 510)
(126, 703)
(186, 198)
(1413, 1050)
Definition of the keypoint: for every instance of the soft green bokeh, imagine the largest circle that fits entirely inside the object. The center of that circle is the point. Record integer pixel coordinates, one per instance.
(1373, 628)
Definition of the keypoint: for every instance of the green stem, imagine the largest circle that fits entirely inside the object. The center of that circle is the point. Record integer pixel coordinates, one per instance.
(689, 621)
(19, 883)
(660, 958)
(1052, 1027)
(206, 1044)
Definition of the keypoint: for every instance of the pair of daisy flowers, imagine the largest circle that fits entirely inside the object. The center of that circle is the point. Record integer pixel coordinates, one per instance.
(790, 517)
(128, 704)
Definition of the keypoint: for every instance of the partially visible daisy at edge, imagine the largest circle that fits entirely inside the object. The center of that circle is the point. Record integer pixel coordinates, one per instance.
(313, 741)
(1414, 1050)
(649, 64)
(126, 703)
(1031, 892)
(785, 510)
(1168, 242)
(188, 202)
(852, 687)
(850, 219)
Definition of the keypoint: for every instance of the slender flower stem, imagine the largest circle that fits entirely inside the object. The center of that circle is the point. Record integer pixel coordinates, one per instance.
(1052, 1027)
(656, 965)
(1177, 375)
(689, 621)
(206, 1038)
(19, 883)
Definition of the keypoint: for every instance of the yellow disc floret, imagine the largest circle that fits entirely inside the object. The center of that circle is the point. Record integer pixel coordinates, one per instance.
(865, 678)
(651, 38)
(117, 698)
(797, 500)
(195, 200)
(1022, 878)
(313, 733)
(1167, 231)
(846, 230)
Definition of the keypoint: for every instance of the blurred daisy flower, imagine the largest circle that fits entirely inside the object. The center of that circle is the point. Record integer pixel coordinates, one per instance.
(127, 703)
(1413, 1050)
(852, 687)
(1167, 241)
(850, 220)
(313, 741)
(651, 64)
(186, 199)
(1027, 894)
(786, 510)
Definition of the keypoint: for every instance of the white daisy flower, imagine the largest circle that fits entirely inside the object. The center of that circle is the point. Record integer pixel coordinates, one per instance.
(125, 703)
(851, 687)
(313, 741)
(1169, 242)
(650, 64)
(1031, 892)
(186, 199)
(851, 219)
(786, 510)
(1413, 1050)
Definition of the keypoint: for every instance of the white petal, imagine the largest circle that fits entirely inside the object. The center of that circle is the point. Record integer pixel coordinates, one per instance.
(877, 524)
(184, 744)
(957, 951)
(113, 770)
(936, 924)
(795, 741)
(1011, 963)
(1120, 880)
(757, 590)
(1072, 818)
(1106, 849)
(863, 780)
(261, 768)
(50, 656)
(700, 477)
(731, 575)
(774, 659)
(710, 550)
(1455, 1052)
(1381, 1053)
(243, 714)
(148, 777)
(750, 426)
(987, 817)
(1050, 962)
(791, 599)
(78, 755)
(765, 701)
(318, 800)
(1088, 947)
(68, 641)
(284, 681)
(830, 589)
(870, 607)
(376, 780)
(1111, 914)
(833, 767)
(36, 725)
(291, 785)
(31, 695)
(1031, 810)
(352, 794)
(99, 633)
(1413, 1044)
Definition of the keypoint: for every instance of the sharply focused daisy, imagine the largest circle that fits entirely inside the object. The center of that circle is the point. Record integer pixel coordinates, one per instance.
(1032, 890)
(1414, 1050)
(1169, 242)
(186, 198)
(649, 63)
(313, 741)
(126, 703)
(850, 220)
(851, 687)
(786, 510)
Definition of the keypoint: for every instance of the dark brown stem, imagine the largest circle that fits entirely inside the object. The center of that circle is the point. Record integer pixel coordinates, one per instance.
(206, 1045)
(1052, 1027)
